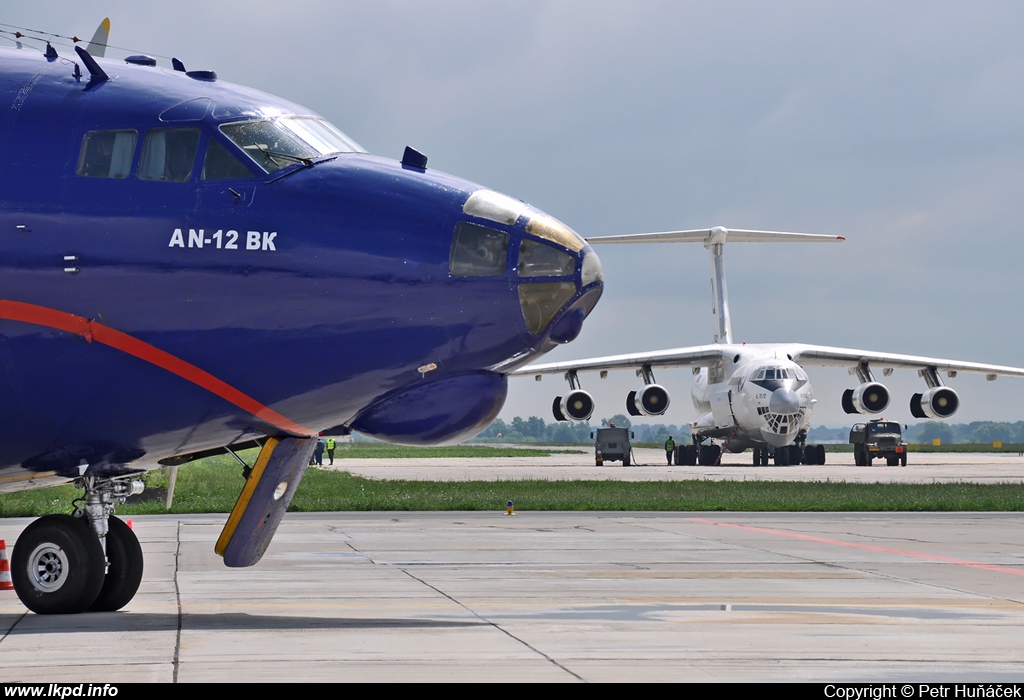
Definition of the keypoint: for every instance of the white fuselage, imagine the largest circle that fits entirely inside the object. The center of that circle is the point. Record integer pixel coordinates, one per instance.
(756, 396)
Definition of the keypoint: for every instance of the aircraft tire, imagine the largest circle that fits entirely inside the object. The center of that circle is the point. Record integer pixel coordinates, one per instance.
(781, 457)
(58, 565)
(708, 455)
(125, 572)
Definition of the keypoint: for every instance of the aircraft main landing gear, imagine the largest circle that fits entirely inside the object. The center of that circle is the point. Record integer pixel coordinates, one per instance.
(64, 564)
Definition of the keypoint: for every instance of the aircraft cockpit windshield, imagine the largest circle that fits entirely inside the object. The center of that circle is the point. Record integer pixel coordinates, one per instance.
(278, 143)
(778, 373)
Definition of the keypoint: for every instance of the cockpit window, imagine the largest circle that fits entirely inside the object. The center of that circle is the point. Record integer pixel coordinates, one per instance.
(107, 153)
(538, 259)
(773, 373)
(269, 144)
(168, 155)
(320, 135)
(220, 164)
(282, 142)
(478, 251)
(540, 301)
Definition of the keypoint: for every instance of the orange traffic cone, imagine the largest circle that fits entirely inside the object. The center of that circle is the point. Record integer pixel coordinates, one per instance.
(6, 584)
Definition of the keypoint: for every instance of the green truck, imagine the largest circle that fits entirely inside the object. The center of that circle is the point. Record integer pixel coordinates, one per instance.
(878, 438)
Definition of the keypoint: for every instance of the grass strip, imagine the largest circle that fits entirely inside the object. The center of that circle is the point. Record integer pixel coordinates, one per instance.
(213, 485)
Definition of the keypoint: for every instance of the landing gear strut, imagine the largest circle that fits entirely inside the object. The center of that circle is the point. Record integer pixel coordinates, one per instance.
(66, 564)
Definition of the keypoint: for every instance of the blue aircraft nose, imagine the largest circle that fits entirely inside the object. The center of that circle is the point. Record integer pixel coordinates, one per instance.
(559, 276)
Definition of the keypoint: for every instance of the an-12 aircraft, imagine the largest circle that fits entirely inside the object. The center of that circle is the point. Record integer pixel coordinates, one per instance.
(190, 267)
(755, 396)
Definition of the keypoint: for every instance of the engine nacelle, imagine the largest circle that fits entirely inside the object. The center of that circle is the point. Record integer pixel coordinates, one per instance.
(870, 397)
(652, 400)
(577, 405)
(937, 402)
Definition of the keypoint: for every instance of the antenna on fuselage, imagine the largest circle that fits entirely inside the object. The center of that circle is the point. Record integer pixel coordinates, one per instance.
(97, 74)
(714, 239)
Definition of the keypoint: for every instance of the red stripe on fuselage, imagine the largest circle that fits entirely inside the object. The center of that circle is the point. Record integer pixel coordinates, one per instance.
(93, 331)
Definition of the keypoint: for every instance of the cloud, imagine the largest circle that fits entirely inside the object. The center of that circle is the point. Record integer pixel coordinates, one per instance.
(897, 125)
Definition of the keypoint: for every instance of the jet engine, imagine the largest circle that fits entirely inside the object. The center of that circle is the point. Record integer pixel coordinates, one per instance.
(652, 400)
(937, 402)
(577, 405)
(869, 397)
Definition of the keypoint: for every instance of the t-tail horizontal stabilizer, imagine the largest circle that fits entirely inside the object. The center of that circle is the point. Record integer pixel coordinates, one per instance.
(264, 499)
(714, 239)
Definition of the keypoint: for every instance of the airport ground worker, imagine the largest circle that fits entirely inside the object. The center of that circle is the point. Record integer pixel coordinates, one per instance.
(670, 448)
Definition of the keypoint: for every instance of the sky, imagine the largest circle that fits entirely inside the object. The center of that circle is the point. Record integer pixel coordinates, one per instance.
(896, 125)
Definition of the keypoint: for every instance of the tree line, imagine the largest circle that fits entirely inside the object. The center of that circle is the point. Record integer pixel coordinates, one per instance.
(534, 429)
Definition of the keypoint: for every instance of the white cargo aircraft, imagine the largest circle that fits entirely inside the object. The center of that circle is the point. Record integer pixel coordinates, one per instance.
(755, 395)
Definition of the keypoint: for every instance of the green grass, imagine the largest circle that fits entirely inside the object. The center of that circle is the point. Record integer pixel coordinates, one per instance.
(212, 485)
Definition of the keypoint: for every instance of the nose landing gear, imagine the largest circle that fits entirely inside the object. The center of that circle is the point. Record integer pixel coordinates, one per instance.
(64, 564)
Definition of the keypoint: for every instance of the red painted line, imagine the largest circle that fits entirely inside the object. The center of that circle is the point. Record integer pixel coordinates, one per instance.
(868, 547)
(93, 331)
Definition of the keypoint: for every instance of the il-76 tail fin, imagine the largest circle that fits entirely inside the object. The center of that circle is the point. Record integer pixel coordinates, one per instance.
(714, 239)
(98, 45)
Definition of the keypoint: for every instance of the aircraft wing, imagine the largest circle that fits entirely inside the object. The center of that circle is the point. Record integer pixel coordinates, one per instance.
(823, 356)
(696, 356)
(804, 355)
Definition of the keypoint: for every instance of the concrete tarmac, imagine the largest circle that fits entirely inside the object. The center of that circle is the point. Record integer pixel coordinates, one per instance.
(573, 597)
(554, 597)
(649, 465)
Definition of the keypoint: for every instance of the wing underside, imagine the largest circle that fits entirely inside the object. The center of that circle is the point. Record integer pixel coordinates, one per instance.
(804, 355)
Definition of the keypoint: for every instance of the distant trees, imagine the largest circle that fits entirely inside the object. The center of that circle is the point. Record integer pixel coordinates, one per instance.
(934, 430)
(978, 432)
(535, 429)
(619, 420)
(990, 432)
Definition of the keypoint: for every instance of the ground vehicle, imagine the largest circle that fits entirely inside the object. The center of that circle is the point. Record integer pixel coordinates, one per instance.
(613, 445)
(878, 438)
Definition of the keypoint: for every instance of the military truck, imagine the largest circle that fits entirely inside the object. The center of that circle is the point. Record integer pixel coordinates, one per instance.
(878, 438)
(612, 445)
